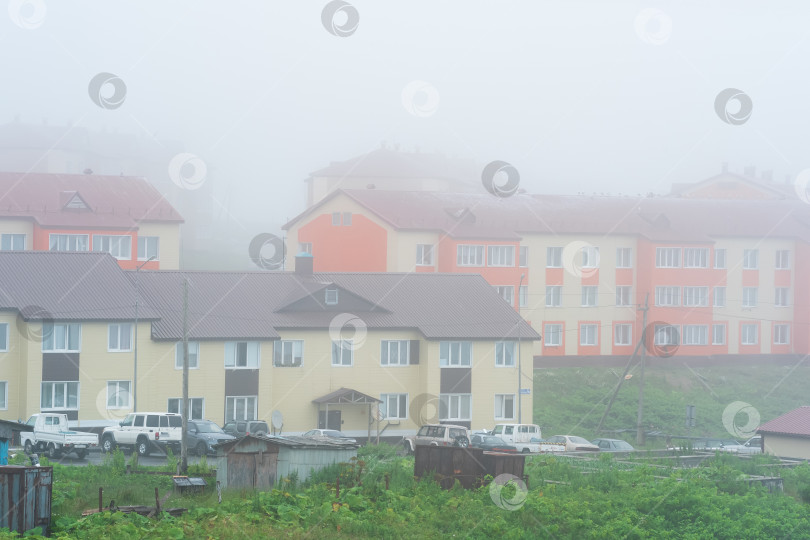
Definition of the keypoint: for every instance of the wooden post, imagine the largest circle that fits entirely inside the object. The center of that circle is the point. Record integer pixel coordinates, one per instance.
(337, 487)
(185, 402)
(157, 501)
(100, 503)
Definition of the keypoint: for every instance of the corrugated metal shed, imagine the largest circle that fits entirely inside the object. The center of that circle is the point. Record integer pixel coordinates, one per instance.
(25, 497)
(262, 462)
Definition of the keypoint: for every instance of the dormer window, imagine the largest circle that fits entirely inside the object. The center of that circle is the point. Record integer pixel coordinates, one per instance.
(331, 297)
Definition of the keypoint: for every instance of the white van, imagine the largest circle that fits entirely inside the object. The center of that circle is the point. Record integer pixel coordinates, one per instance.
(520, 435)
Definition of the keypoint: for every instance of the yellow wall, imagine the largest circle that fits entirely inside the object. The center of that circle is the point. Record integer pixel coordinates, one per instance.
(19, 226)
(789, 447)
(169, 249)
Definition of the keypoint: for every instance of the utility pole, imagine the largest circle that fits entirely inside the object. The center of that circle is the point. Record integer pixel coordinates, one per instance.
(185, 409)
(520, 367)
(135, 344)
(619, 384)
(639, 420)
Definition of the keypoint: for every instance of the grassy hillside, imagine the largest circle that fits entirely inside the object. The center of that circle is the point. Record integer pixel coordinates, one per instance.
(572, 400)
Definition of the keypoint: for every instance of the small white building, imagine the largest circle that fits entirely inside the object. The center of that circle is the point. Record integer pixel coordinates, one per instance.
(788, 435)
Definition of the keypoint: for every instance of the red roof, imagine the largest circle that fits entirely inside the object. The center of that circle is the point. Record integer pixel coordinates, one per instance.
(796, 422)
(83, 200)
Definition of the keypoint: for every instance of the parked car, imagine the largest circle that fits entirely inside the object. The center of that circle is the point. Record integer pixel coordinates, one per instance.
(331, 434)
(751, 446)
(574, 443)
(491, 443)
(202, 435)
(145, 432)
(613, 445)
(52, 434)
(241, 428)
(520, 435)
(438, 435)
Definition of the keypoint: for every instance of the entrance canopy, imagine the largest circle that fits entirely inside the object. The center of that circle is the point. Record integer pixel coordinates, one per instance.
(346, 396)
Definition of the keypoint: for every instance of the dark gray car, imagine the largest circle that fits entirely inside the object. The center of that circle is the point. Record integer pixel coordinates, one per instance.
(241, 428)
(202, 435)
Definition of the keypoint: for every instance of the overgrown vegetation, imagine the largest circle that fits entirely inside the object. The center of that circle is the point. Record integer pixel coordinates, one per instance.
(567, 498)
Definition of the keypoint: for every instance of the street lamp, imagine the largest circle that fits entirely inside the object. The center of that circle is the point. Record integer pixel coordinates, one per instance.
(135, 349)
(520, 368)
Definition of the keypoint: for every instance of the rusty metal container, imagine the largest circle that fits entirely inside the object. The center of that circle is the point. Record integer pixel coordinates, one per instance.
(25, 498)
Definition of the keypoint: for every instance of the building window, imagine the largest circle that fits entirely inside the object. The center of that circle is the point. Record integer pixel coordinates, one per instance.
(695, 334)
(347, 219)
(590, 257)
(667, 296)
(667, 257)
(118, 395)
(749, 334)
(718, 334)
(720, 258)
(242, 354)
(552, 335)
(554, 257)
(505, 353)
(193, 355)
(3, 337)
(394, 406)
(395, 352)
(719, 297)
(119, 247)
(455, 406)
(783, 259)
(523, 296)
(197, 409)
(305, 247)
(624, 257)
(119, 337)
(589, 295)
(343, 352)
(468, 255)
(781, 334)
(3, 395)
(623, 334)
(61, 337)
(696, 296)
(59, 396)
(782, 298)
(623, 295)
(696, 257)
(240, 408)
(507, 292)
(288, 353)
(501, 256)
(455, 353)
(504, 406)
(750, 295)
(335, 219)
(667, 335)
(68, 242)
(523, 258)
(148, 247)
(588, 334)
(12, 242)
(424, 255)
(553, 295)
(331, 297)
(750, 259)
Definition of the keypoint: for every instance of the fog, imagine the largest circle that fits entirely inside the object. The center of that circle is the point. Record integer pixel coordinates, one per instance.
(579, 96)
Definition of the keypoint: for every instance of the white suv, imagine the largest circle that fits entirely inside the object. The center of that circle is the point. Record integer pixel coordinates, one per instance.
(438, 435)
(144, 432)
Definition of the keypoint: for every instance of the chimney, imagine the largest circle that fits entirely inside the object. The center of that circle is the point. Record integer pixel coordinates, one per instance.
(303, 264)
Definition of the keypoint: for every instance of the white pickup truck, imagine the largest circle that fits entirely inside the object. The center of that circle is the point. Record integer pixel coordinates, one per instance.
(526, 438)
(51, 434)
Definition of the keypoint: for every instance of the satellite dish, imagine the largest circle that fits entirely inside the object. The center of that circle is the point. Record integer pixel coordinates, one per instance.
(277, 420)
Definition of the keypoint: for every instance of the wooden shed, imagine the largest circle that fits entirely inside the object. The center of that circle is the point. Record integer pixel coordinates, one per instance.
(262, 462)
(467, 465)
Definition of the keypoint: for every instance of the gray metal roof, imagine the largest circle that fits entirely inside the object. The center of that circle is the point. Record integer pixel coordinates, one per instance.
(43, 285)
(290, 441)
(346, 395)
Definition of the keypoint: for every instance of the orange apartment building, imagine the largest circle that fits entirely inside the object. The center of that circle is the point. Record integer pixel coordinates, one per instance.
(121, 215)
(721, 276)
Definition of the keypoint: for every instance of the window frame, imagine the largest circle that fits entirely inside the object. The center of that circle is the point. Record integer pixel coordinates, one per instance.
(119, 334)
(667, 330)
(347, 219)
(11, 239)
(715, 302)
(554, 256)
(118, 238)
(467, 252)
(336, 219)
(118, 390)
(386, 344)
(669, 292)
(401, 398)
(558, 331)
(523, 296)
(620, 294)
(592, 328)
(750, 297)
(53, 384)
(256, 345)
(586, 295)
(690, 331)
(590, 256)
(786, 332)
(341, 344)
(3, 395)
(424, 254)
(781, 297)
(447, 362)
(146, 241)
(507, 292)
(51, 336)
(279, 353)
(501, 256)
(178, 355)
(246, 399)
(665, 257)
(623, 253)
(616, 328)
(331, 296)
(695, 296)
(743, 335)
(748, 255)
(501, 357)
(5, 336)
(694, 256)
(500, 412)
(554, 293)
(714, 334)
(68, 238)
(445, 400)
(179, 408)
(523, 256)
(720, 262)
(780, 264)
